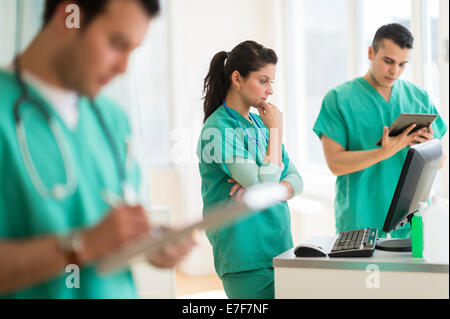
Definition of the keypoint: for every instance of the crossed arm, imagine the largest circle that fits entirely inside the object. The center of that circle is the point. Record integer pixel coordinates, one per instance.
(246, 174)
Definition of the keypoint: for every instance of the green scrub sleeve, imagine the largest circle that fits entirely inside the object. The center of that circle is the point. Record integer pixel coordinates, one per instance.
(330, 121)
(247, 173)
(294, 178)
(439, 125)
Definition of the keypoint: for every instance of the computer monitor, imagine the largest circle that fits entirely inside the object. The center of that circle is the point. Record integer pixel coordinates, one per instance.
(413, 187)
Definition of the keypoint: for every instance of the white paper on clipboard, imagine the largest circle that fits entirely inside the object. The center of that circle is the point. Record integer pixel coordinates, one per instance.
(256, 198)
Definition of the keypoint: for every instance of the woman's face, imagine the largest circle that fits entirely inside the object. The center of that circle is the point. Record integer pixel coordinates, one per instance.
(257, 87)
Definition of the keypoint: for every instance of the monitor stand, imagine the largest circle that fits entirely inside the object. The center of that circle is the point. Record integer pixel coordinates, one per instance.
(400, 244)
(396, 244)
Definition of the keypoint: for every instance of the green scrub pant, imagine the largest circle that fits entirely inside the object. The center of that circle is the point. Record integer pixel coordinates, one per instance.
(254, 284)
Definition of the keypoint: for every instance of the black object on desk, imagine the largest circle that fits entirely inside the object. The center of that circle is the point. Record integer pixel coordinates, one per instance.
(405, 120)
(354, 243)
(308, 250)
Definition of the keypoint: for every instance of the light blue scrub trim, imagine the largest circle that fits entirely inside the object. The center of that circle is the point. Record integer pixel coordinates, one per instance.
(247, 173)
(294, 178)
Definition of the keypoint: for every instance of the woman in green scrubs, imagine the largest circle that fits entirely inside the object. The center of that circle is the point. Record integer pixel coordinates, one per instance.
(242, 147)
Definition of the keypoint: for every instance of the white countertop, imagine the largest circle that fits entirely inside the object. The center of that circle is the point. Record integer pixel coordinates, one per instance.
(384, 260)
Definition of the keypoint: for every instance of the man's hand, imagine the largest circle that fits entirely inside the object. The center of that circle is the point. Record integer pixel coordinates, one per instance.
(343, 162)
(173, 254)
(391, 145)
(423, 135)
(122, 225)
(126, 224)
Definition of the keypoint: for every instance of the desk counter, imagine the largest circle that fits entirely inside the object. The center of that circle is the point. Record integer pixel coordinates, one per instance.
(384, 275)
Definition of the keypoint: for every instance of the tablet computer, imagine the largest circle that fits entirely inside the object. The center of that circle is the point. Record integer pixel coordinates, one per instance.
(256, 198)
(405, 120)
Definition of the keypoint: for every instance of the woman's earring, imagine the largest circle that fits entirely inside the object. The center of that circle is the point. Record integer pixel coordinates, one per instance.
(238, 88)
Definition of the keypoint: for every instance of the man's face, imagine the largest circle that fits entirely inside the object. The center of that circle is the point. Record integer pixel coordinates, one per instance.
(388, 63)
(96, 54)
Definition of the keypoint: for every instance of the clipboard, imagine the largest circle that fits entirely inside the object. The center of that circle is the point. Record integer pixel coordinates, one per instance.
(405, 120)
(256, 198)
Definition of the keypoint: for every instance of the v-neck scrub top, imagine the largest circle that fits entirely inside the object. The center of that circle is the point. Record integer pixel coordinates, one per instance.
(24, 214)
(354, 114)
(251, 242)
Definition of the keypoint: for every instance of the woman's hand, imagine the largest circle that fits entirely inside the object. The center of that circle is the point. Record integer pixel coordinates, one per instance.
(273, 120)
(236, 189)
(271, 116)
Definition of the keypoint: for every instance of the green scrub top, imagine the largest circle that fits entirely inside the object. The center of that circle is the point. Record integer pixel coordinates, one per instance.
(253, 241)
(25, 214)
(354, 114)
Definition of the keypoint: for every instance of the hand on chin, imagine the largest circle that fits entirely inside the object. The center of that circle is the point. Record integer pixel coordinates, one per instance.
(259, 106)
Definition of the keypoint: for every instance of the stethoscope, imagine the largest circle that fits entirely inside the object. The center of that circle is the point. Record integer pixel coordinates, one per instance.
(245, 130)
(57, 191)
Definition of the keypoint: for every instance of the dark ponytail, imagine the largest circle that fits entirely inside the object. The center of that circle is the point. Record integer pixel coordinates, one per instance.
(216, 84)
(246, 57)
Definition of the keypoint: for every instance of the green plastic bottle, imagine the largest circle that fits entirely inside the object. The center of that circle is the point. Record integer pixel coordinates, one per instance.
(417, 231)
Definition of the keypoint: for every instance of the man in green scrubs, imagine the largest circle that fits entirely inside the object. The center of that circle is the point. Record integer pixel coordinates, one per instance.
(353, 117)
(54, 219)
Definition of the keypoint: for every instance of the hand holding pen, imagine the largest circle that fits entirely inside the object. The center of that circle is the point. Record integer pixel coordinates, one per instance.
(124, 224)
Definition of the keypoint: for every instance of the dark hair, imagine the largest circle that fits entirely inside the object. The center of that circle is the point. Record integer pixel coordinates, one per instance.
(91, 8)
(246, 57)
(395, 32)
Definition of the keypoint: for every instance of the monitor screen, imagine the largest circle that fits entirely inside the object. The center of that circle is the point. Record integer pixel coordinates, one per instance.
(414, 184)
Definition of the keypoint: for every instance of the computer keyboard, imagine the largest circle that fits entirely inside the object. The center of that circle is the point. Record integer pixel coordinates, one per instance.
(354, 243)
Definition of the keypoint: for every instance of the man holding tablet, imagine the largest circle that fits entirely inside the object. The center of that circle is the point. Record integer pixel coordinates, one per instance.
(352, 119)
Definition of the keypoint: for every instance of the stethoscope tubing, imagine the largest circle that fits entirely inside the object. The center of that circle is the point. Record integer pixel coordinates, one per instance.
(58, 191)
(245, 130)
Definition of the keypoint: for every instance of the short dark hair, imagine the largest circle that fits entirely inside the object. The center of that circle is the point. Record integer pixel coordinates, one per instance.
(91, 8)
(395, 32)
